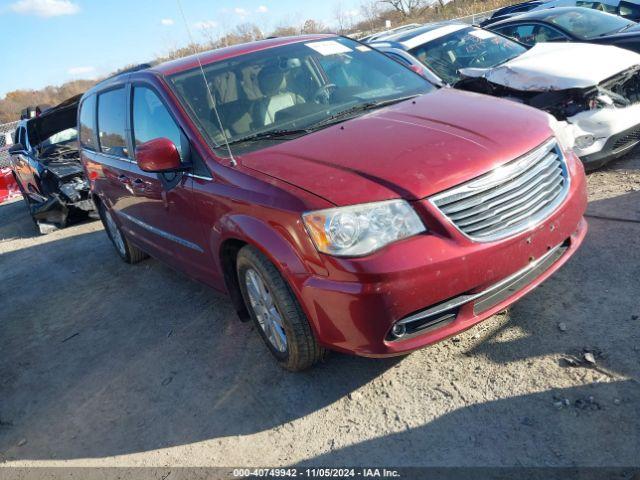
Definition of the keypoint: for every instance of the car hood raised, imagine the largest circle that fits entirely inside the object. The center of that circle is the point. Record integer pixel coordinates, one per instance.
(558, 66)
(54, 120)
(410, 150)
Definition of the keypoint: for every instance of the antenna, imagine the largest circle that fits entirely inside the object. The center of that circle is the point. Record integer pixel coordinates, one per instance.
(206, 84)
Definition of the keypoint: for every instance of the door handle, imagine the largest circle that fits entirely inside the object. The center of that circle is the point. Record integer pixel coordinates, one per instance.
(124, 179)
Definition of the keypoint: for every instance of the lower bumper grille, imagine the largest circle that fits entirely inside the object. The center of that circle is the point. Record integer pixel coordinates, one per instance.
(508, 287)
(509, 199)
(446, 312)
(627, 140)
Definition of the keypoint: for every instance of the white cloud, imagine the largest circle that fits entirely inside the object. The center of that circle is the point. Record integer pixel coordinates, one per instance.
(45, 8)
(167, 22)
(81, 70)
(262, 9)
(205, 25)
(243, 12)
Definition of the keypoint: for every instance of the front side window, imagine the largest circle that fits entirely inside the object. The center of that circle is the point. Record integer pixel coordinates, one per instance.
(628, 9)
(547, 34)
(292, 87)
(151, 119)
(111, 122)
(587, 24)
(466, 48)
(88, 123)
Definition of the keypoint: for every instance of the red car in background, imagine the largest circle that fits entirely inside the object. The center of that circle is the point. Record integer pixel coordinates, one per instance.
(340, 199)
(8, 185)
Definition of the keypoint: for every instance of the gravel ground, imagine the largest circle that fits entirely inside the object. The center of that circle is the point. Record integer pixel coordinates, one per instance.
(106, 364)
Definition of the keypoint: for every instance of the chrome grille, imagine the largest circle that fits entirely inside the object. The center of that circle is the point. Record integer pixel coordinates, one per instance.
(510, 198)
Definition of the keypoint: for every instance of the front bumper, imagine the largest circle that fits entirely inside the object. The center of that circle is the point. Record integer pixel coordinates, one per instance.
(615, 147)
(354, 308)
(616, 132)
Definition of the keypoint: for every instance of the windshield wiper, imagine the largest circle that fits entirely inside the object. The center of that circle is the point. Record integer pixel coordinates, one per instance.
(270, 134)
(363, 107)
(279, 134)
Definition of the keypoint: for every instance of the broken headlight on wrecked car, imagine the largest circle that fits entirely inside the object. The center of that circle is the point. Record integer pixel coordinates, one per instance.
(359, 230)
(585, 141)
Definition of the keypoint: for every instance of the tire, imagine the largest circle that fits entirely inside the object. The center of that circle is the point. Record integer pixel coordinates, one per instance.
(126, 250)
(301, 350)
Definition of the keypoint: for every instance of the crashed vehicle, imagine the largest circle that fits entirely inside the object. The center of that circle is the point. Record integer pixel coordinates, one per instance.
(46, 165)
(595, 89)
(629, 9)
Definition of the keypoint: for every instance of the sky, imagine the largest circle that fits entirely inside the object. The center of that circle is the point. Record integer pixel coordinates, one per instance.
(49, 42)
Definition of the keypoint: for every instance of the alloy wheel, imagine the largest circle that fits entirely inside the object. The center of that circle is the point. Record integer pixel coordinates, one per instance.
(266, 311)
(114, 232)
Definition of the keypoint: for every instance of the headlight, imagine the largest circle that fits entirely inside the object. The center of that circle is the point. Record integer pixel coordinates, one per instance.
(585, 141)
(361, 229)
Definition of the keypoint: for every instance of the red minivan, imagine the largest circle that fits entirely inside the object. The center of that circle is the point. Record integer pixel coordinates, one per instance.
(340, 199)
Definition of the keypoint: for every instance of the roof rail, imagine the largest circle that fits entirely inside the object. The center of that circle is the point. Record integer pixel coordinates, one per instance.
(134, 68)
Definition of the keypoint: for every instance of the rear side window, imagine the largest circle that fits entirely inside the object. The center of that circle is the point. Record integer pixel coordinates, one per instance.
(151, 119)
(88, 123)
(111, 122)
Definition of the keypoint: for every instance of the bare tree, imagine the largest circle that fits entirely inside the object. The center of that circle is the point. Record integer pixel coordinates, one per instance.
(313, 26)
(248, 32)
(407, 8)
(344, 20)
(370, 12)
(284, 31)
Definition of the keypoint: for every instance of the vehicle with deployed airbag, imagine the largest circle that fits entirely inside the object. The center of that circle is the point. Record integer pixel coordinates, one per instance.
(46, 165)
(570, 24)
(594, 89)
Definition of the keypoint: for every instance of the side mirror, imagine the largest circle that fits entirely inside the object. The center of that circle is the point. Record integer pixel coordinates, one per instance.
(17, 148)
(158, 155)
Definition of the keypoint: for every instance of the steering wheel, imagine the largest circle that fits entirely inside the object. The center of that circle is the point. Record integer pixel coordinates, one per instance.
(323, 94)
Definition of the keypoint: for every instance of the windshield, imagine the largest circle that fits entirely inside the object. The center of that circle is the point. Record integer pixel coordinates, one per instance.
(292, 88)
(587, 24)
(466, 48)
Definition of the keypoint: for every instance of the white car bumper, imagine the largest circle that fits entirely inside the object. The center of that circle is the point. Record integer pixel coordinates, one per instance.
(614, 131)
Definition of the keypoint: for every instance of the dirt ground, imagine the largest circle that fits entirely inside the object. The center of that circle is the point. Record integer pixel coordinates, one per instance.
(106, 364)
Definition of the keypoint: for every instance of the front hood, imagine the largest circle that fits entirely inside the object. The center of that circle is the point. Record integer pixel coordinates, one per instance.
(54, 120)
(558, 66)
(410, 150)
(634, 30)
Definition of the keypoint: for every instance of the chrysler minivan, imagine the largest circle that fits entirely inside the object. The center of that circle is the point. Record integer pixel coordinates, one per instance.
(341, 200)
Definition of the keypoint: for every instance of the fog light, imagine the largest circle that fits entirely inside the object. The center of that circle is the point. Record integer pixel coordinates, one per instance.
(585, 141)
(398, 330)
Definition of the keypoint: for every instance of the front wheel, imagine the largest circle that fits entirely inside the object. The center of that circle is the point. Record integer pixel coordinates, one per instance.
(127, 251)
(276, 312)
